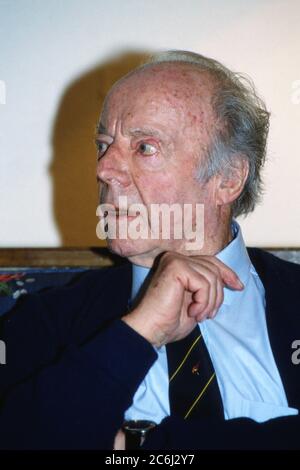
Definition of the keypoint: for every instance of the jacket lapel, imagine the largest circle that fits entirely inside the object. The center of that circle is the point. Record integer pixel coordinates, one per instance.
(281, 316)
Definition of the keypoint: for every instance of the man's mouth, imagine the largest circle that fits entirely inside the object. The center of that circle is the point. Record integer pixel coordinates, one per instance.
(118, 213)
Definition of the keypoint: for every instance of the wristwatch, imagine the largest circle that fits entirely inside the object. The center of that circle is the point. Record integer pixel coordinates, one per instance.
(136, 432)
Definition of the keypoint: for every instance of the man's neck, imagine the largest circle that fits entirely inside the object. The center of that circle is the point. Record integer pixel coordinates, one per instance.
(216, 238)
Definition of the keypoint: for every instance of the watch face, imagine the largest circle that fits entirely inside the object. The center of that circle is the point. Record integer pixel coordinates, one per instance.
(136, 432)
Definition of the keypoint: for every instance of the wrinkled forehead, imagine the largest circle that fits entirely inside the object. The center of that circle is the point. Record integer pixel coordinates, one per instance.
(167, 86)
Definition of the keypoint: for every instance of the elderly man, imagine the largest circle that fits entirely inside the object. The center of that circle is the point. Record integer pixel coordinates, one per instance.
(204, 348)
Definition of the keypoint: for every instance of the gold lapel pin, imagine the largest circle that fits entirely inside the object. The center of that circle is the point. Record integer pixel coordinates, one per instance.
(195, 368)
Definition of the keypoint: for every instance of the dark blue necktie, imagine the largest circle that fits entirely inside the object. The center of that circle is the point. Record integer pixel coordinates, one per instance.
(193, 387)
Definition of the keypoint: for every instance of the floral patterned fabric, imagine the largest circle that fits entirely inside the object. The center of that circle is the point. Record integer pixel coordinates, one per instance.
(17, 282)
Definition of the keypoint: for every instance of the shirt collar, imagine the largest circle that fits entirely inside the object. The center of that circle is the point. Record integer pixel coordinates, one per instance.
(234, 255)
(139, 274)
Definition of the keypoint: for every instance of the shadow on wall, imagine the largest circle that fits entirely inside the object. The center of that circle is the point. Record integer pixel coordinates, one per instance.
(73, 166)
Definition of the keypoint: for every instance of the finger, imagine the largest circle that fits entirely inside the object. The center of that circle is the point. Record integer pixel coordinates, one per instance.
(212, 297)
(215, 292)
(200, 299)
(212, 275)
(209, 295)
(229, 277)
(205, 299)
(219, 299)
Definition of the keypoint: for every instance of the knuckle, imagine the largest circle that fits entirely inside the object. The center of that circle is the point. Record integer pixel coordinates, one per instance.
(168, 257)
(172, 261)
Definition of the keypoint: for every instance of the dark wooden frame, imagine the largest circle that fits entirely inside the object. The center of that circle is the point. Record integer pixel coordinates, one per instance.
(56, 257)
(87, 257)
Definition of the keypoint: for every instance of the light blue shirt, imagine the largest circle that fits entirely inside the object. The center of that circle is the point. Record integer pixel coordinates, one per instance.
(238, 343)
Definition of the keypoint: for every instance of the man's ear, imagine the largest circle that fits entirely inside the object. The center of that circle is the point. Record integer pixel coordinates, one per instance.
(230, 185)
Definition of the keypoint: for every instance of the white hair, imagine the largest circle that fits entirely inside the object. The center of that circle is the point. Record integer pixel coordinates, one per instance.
(244, 125)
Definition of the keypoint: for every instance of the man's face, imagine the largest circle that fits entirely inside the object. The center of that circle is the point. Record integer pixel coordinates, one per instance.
(154, 130)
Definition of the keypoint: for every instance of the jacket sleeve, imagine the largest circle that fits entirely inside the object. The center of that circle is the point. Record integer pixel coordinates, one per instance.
(236, 434)
(66, 394)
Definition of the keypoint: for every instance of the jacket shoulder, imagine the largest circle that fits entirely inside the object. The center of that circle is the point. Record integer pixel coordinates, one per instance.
(89, 281)
(268, 264)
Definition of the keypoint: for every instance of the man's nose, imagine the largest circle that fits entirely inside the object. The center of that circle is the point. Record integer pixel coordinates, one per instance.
(112, 168)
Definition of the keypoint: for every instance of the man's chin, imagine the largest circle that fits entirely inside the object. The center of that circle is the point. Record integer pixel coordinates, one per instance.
(129, 248)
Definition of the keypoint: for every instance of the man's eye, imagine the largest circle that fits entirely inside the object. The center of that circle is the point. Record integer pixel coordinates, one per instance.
(147, 149)
(101, 147)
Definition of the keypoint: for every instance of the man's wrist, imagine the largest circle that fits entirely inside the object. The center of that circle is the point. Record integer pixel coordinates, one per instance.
(146, 328)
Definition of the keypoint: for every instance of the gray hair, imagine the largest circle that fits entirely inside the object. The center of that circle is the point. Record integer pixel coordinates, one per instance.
(243, 129)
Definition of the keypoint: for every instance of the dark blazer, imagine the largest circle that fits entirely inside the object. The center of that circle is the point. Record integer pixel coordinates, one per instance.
(73, 367)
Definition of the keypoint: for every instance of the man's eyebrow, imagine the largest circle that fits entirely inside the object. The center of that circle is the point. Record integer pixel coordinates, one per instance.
(101, 129)
(134, 132)
(144, 132)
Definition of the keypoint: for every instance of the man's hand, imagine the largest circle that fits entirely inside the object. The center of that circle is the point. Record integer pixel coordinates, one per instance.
(119, 442)
(183, 291)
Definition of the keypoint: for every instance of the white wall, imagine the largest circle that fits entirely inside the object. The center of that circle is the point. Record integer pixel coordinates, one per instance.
(49, 49)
